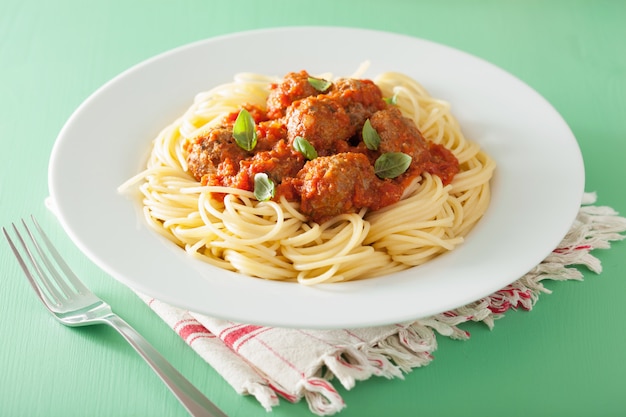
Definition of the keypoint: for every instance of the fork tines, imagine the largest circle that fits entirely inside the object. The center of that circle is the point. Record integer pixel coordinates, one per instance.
(38, 258)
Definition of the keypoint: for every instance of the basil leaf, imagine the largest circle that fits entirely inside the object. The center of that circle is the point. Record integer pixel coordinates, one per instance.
(320, 84)
(391, 100)
(370, 136)
(303, 146)
(263, 187)
(392, 164)
(244, 130)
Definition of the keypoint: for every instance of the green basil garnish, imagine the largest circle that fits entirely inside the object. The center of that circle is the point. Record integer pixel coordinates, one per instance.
(370, 136)
(320, 84)
(244, 130)
(391, 100)
(264, 188)
(392, 164)
(303, 146)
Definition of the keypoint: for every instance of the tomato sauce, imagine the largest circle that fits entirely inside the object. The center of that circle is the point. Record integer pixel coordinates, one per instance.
(335, 172)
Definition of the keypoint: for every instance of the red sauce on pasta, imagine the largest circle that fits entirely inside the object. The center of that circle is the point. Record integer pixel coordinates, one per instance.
(341, 177)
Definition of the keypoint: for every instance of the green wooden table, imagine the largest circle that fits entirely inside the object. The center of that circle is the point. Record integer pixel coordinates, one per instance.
(564, 358)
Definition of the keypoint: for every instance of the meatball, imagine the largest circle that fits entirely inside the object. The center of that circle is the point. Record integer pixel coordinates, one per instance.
(208, 151)
(360, 98)
(342, 183)
(399, 134)
(293, 87)
(279, 163)
(321, 121)
(269, 133)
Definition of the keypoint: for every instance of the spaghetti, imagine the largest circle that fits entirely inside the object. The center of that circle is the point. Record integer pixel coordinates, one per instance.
(274, 239)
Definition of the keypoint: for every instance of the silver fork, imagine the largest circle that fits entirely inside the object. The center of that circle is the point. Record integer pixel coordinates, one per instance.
(74, 305)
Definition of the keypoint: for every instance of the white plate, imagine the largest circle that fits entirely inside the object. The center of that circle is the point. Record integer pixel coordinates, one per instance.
(536, 190)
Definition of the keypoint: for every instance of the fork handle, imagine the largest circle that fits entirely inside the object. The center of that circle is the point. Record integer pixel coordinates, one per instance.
(193, 400)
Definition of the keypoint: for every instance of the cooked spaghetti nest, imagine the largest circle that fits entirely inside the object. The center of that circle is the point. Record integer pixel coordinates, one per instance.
(272, 239)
